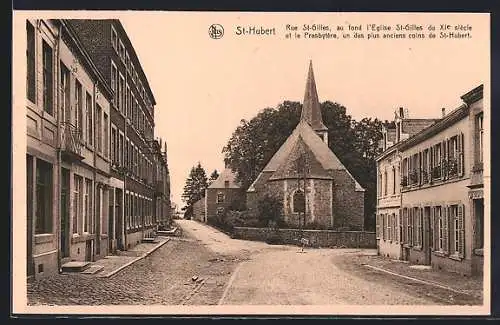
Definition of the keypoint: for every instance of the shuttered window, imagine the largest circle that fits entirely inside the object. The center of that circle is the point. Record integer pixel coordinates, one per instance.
(445, 235)
(31, 66)
(460, 155)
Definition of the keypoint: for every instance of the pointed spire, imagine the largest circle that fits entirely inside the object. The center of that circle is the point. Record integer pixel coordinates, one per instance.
(311, 110)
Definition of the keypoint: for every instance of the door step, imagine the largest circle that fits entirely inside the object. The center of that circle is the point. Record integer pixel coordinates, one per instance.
(93, 269)
(149, 240)
(75, 266)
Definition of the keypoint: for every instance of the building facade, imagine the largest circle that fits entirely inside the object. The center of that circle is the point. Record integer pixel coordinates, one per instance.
(222, 195)
(315, 187)
(441, 212)
(67, 162)
(133, 153)
(96, 180)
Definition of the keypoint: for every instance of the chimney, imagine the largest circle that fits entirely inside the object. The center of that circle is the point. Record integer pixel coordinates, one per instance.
(443, 112)
(401, 112)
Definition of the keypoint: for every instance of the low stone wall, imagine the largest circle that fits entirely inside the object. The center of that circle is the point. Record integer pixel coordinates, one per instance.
(317, 238)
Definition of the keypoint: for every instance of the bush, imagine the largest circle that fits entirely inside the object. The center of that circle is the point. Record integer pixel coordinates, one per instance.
(274, 239)
(269, 209)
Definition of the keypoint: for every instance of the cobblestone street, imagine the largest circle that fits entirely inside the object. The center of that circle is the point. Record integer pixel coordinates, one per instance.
(164, 277)
(206, 267)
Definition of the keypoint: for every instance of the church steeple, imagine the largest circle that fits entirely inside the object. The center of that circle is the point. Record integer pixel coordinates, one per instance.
(311, 110)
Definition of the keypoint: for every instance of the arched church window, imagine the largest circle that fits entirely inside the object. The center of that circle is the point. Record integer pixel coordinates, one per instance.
(298, 201)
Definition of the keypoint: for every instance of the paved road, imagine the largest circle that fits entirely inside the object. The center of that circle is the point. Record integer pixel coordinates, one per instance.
(164, 277)
(282, 275)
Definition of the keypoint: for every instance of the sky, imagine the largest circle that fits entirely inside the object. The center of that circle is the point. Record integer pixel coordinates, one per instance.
(204, 87)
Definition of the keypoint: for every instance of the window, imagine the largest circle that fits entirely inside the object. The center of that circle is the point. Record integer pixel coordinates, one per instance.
(405, 226)
(479, 221)
(121, 93)
(98, 121)
(389, 226)
(425, 166)
(106, 135)
(77, 202)
(114, 38)
(393, 180)
(43, 194)
(120, 149)
(410, 226)
(114, 143)
(480, 132)
(220, 197)
(121, 51)
(31, 67)
(220, 211)
(114, 83)
(90, 123)
(379, 185)
(441, 229)
(456, 213)
(48, 78)
(78, 107)
(404, 168)
(385, 182)
(419, 232)
(298, 202)
(87, 203)
(65, 93)
(436, 161)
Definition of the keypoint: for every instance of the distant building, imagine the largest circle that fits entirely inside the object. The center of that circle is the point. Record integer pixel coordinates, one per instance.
(199, 210)
(222, 195)
(332, 197)
(439, 220)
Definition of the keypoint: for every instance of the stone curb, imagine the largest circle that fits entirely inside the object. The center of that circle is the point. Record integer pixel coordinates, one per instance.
(428, 282)
(135, 260)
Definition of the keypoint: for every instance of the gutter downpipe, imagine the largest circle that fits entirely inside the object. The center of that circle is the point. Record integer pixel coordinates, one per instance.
(94, 188)
(59, 158)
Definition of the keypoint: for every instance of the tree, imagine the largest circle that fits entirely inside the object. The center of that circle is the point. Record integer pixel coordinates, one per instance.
(254, 142)
(213, 177)
(195, 187)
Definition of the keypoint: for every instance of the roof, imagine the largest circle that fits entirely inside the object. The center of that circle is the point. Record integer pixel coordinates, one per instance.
(414, 126)
(304, 136)
(226, 175)
(311, 109)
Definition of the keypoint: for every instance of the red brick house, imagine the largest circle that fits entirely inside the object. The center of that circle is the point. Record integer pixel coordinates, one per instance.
(333, 198)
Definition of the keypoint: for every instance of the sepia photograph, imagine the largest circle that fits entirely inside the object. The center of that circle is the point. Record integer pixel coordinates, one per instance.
(169, 162)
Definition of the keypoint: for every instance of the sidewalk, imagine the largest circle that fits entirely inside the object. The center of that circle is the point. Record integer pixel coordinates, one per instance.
(472, 286)
(112, 264)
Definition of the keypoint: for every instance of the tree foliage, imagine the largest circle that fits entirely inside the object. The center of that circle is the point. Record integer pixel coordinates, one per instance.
(213, 177)
(195, 186)
(356, 144)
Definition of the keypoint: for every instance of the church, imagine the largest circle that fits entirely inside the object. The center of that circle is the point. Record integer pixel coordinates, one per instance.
(316, 189)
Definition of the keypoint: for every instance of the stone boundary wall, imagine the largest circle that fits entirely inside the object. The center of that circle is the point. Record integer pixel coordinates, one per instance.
(317, 238)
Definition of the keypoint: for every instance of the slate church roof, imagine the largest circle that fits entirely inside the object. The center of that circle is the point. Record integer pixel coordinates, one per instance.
(304, 140)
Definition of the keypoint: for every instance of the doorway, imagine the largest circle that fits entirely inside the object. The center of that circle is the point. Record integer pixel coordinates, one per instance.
(119, 219)
(65, 199)
(111, 218)
(98, 221)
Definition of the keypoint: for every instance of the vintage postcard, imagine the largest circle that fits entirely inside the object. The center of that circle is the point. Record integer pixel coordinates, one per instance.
(270, 163)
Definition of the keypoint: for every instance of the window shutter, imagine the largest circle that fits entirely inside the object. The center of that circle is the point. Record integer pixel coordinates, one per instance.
(419, 169)
(399, 226)
(421, 231)
(460, 158)
(461, 232)
(446, 228)
(443, 159)
(431, 159)
(410, 226)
